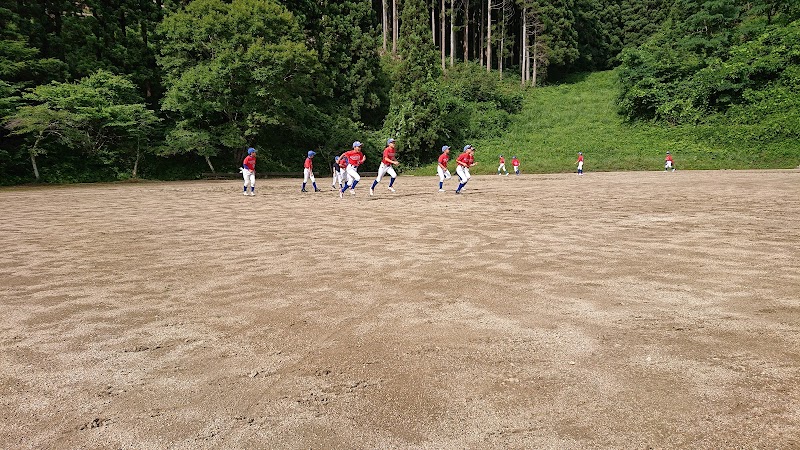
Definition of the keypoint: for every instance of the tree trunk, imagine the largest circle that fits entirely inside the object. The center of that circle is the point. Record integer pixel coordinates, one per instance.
(523, 48)
(136, 163)
(395, 25)
(385, 24)
(482, 34)
(433, 21)
(488, 35)
(442, 33)
(208, 161)
(33, 155)
(502, 40)
(35, 167)
(535, 58)
(466, 30)
(452, 33)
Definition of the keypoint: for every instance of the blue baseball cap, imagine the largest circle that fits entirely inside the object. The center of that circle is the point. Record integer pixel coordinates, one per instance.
(467, 147)
(251, 150)
(311, 153)
(389, 141)
(356, 144)
(336, 158)
(445, 148)
(580, 153)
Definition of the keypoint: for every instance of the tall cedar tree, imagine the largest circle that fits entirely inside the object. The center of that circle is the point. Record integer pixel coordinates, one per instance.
(415, 116)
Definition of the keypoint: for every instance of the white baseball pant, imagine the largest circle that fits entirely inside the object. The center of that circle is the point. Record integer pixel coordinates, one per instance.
(307, 173)
(383, 170)
(352, 174)
(443, 174)
(249, 178)
(463, 173)
(502, 167)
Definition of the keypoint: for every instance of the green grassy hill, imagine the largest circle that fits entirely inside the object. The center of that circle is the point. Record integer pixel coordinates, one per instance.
(559, 121)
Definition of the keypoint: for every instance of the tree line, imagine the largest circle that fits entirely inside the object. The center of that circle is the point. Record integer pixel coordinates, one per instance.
(105, 90)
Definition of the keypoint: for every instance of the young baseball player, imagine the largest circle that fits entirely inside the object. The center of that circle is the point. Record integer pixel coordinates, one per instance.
(249, 171)
(465, 161)
(515, 163)
(502, 166)
(386, 167)
(668, 164)
(354, 158)
(579, 162)
(342, 170)
(337, 173)
(441, 169)
(308, 172)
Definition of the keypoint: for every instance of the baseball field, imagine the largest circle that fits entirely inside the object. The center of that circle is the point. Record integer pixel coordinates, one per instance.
(624, 310)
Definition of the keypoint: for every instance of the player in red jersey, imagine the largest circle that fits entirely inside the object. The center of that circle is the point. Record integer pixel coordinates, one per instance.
(308, 172)
(579, 162)
(515, 164)
(502, 166)
(249, 171)
(386, 166)
(441, 169)
(353, 159)
(465, 161)
(668, 164)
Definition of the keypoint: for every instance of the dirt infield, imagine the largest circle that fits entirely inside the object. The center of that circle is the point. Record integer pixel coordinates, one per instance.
(627, 310)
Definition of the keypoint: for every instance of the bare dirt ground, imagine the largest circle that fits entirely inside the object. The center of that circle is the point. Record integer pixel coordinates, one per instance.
(626, 310)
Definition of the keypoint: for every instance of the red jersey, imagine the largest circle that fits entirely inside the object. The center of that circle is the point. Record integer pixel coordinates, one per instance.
(342, 161)
(466, 159)
(502, 160)
(443, 159)
(580, 158)
(308, 164)
(669, 158)
(355, 158)
(388, 155)
(515, 162)
(249, 163)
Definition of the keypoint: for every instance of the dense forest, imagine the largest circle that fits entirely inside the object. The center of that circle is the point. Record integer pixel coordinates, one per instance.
(110, 90)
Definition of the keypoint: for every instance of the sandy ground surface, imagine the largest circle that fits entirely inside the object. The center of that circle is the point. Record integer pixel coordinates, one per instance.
(627, 310)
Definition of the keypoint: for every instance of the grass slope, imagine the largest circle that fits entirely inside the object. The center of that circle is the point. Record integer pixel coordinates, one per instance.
(558, 121)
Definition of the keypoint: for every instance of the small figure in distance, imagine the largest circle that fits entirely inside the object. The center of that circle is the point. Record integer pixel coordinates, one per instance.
(441, 169)
(515, 163)
(386, 166)
(308, 172)
(579, 162)
(337, 173)
(502, 166)
(353, 158)
(465, 161)
(249, 171)
(668, 163)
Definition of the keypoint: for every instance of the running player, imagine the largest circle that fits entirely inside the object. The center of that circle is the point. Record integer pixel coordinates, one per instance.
(502, 166)
(353, 158)
(337, 173)
(308, 172)
(441, 169)
(579, 162)
(465, 161)
(249, 171)
(515, 163)
(386, 167)
(668, 164)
